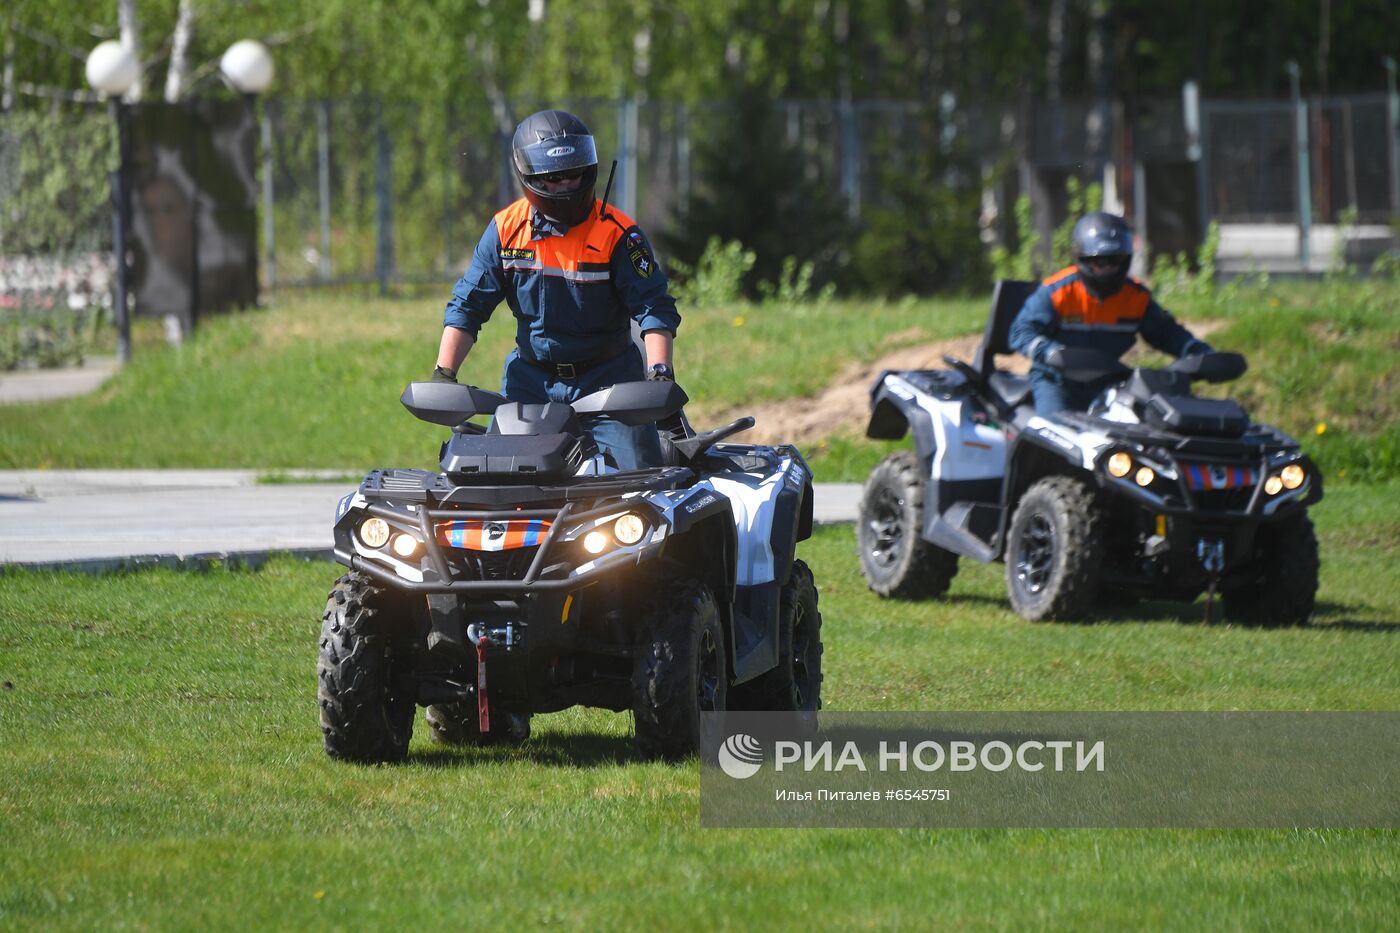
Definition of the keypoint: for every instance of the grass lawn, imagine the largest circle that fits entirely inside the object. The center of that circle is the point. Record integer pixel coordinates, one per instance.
(315, 380)
(162, 768)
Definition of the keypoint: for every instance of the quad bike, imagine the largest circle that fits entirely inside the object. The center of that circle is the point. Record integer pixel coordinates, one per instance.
(1153, 492)
(530, 575)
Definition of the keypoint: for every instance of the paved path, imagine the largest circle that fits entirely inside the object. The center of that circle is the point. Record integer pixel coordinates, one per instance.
(41, 385)
(104, 519)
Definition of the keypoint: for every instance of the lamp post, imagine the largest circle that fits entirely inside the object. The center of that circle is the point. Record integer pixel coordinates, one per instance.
(112, 70)
(248, 69)
(1300, 133)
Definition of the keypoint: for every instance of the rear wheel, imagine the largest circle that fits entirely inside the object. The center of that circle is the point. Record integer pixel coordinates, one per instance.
(1284, 586)
(1054, 550)
(363, 685)
(680, 671)
(894, 557)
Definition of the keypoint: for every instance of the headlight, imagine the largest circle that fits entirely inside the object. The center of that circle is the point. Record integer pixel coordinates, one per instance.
(405, 545)
(1273, 485)
(1292, 476)
(595, 542)
(1119, 464)
(629, 528)
(374, 532)
(1145, 476)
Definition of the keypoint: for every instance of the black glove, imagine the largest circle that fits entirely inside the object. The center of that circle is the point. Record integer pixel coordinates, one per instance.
(661, 372)
(1043, 349)
(443, 374)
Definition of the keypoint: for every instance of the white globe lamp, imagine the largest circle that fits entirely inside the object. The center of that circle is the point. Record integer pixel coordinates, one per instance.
(247, 66)
(112, 69)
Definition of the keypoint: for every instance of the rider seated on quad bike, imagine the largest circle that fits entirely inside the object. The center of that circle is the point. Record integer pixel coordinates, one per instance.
(1092, 304)
(575, 272)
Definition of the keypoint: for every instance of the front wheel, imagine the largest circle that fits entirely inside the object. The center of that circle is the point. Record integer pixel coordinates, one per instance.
(894, 558)
(365, 695)
(1054, 550)
(1284, 585)
(680, 671)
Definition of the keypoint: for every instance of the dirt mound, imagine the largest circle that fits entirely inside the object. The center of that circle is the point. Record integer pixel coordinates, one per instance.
(844, 406)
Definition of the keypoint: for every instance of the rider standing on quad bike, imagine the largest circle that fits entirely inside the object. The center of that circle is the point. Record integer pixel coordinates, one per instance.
(575, 272)
(1092, 304)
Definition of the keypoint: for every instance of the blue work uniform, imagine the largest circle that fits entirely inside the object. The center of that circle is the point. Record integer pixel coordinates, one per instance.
(1065, 312)
(574, 292)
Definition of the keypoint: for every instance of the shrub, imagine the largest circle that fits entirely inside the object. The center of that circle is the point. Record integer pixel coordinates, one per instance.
(717, 278)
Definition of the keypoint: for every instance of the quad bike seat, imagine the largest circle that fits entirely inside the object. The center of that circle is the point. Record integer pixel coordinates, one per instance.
(1010, 390)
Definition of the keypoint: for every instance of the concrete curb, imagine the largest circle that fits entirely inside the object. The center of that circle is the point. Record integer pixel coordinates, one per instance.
(198, 563)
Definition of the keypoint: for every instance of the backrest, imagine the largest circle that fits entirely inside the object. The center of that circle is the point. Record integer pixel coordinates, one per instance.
(521, 419)
(1008, 295)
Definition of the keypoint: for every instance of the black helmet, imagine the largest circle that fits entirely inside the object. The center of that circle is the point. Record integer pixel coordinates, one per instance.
(551, 142)
(1103, 236)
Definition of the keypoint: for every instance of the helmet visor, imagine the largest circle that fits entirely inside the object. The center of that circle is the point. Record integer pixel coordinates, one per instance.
(559, 154)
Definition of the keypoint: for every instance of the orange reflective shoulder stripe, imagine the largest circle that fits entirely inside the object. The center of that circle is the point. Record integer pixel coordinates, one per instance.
(1071, 301)
(513, 225)
(1060, 276)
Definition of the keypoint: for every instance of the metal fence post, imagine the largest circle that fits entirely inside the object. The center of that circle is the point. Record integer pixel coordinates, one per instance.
(269, 226)
(625, 189)
(1392, 111)
(121, 226)
(683, 158)
(383, 203)
(323, 177)
(850, 159)
(447, 165)
(1300, 110)
(1195, 126)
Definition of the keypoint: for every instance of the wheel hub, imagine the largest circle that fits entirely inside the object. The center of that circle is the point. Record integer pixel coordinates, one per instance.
(707, 679)
(800, 645)
(886, 527)
(1036, 554)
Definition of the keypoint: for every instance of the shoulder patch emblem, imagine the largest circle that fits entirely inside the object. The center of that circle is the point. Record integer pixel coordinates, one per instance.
(642, 262)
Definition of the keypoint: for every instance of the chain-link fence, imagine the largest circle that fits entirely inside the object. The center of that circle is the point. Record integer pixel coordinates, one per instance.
(394, 191)
(1262, 157)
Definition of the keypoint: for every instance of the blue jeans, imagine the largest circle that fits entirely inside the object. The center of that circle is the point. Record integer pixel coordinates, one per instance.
(1053, 393)
(631, 448)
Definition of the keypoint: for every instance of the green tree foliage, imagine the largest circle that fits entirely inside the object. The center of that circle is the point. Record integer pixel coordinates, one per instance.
(691, 50)
(757, 193)
(923, 234)
(54, 181)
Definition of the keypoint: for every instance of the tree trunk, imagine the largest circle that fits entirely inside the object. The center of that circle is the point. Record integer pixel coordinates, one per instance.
(7, 73)
(177, 75)
(1055, 55)
(131, 41)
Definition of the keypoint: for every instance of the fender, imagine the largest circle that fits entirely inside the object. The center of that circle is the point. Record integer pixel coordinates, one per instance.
(895, 410)
(702, 521)
(697, 537)
(1029, 456)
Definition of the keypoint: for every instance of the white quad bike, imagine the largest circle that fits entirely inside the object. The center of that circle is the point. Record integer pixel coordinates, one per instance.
(530, 575)
(1151, 493)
